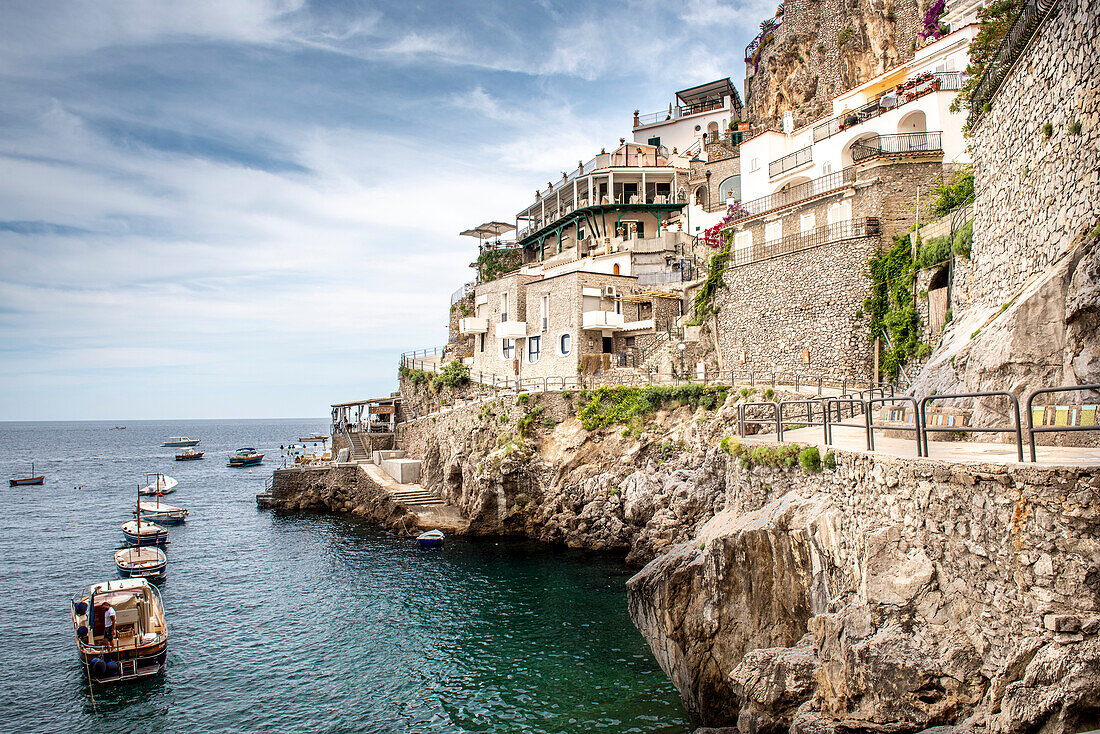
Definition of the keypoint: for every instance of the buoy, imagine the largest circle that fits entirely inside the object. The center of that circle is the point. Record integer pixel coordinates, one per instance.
(81, 607)
(98, 667)
(113, 668)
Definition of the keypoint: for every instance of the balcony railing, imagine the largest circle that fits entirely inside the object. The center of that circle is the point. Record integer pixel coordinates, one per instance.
(473, 325)
(902, 144)
(940, 81)
(677, 112)
(601, 320)
(463, 291)
(1023, 28)
(849, 229)
(795, 194)
(791, 161)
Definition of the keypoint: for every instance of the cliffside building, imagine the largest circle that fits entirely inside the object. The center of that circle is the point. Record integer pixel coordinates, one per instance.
(703, 110)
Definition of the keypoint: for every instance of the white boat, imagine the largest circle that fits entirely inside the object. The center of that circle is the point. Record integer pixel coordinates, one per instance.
(139, 648)
(147, 562)
(161, 513)
(178, 442)
(158, 484)
(140, 532)
(430, 539)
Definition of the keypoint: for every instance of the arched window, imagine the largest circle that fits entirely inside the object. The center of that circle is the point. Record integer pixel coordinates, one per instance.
(615, 269)
(701, 196)
(730, 189)
(712, 132)
(565, 343)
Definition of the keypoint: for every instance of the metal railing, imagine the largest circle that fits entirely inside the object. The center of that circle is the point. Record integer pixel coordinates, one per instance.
(683, 274)
(742, 421)
(900, 144)
(820, 186)
(408, 357)
(808, 420)
(942, 81)
(868, 413)
(754, 44)
(1012, 45)
(1032, 429)
(791, 161)
(925, 428)
(848, 229)
(463, 291)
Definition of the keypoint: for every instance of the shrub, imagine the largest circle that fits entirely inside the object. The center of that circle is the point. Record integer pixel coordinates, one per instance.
(567, 395)
(843, 36)
(810, 460)
(703, 305)
(522, 398)
(829, 462)
(769, 394)
(1048, 130)
(891, 305)
(994, 21)
(947, 316)
(924, 350)
(732, 447)
(953, 193)
(964, 240)
(933, 252)
(548, 423)
(1075, 127)
(631, 405)
(454, 374)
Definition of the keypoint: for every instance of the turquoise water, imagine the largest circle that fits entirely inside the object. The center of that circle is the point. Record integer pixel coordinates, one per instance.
(303, 622)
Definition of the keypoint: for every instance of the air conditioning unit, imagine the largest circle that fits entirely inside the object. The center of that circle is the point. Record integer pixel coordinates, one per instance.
(609, 291)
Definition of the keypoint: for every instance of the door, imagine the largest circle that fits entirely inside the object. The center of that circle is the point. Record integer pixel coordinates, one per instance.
(607, 342)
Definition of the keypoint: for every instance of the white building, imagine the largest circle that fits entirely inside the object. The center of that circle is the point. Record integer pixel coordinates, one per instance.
(708, 108)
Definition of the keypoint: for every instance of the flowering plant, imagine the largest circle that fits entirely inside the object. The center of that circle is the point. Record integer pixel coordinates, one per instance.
(932, 28)
(713, 235)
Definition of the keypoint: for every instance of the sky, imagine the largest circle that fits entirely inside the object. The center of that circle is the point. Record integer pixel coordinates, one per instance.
(250, 208)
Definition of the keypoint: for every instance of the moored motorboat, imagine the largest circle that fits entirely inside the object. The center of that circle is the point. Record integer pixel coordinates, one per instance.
(246, 456)
(140, 532)
(147, 562)
(189, 455)
(158, 484)
(160, 513)
(139, 646)
(430, 539)
(178, 442)
(313, 438)
(27, 481)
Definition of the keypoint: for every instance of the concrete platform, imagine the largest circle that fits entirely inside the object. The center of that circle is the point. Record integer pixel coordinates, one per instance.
(379, 456)
(403, 471)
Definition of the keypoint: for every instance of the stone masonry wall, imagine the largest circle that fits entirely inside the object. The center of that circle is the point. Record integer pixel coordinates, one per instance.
(1035, 194)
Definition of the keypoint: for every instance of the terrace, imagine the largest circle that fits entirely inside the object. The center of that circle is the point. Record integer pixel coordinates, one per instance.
(928, 143)
(849, 229)
(797, 194)
(791, 161)
(693, 101)
(906, 92)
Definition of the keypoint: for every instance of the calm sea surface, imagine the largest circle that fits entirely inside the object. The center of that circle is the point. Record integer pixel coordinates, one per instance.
(302, 623)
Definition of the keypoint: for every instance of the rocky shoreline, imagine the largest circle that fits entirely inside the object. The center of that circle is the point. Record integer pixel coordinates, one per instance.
(876, 595)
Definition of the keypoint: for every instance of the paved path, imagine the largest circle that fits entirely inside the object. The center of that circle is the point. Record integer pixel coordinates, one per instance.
(855, 439)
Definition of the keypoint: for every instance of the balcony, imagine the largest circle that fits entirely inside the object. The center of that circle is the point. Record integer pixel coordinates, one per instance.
(848, 229)
(791, 162)
(601, 320)
(511, 330)
(677, 112)
(940, 81)
(821, 186)
(901, 144)
(473, 325)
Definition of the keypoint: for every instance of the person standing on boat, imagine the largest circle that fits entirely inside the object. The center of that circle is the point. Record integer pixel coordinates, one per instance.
(109, 625)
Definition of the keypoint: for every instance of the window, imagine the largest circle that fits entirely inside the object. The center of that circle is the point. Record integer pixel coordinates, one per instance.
(806, 222)
(565, 343)
(508, 348)
(742, 240)
(544, 312)
(773, 231)
(481, 342)
(503, 307)
(534, 349)
(754, 164)
(730, 189)
(840, 211)
(655, 142)
(580, 233)
(826, 168)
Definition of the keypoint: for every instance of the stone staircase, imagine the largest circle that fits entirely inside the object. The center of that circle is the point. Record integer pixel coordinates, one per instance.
(359, 450)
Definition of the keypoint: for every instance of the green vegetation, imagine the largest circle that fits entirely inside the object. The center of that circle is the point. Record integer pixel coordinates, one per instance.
(843, 36)
(416, 377)
(630, 406)
(947, 316)
(1075, 127)
(454, 374)
(548, 423)
(892, 307)
(810, 460)
(994, 21)
(567, 394)
(1048, 130)
(933, 252)
(769, 394)
(523, 427)
(522, 398)
(953, 193)
(975, 332)
(964, 240)
(704, 299)
(492, 264)
(731, 447)
(829, 462)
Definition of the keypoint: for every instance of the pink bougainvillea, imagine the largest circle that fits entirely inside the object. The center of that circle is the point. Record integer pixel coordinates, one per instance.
(932, 29)
(713, 235)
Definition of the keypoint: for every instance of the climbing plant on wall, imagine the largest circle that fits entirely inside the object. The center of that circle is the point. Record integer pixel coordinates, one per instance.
(492, 264)
(892, 307)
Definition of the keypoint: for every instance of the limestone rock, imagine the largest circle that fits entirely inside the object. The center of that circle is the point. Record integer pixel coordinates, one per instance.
(1059, 692)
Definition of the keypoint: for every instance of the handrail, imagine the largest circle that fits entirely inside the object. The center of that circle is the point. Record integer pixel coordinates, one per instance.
(742, 421)
(824, 422)
(1012, 45)
(925, 428)
(871, 425)
(847, 229)
(1032, 429)
(948, 81)
(790, 161)
(902, 143)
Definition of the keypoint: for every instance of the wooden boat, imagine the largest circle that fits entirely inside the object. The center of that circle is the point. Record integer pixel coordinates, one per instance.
(430, 539)
(118, 428)
(158, 484)
(27, 481)
(189, 455)
(142, 532)
(147, 562)
(160, 513)
(247, 456)
(314, 438)
(140, 645)
(178, 442)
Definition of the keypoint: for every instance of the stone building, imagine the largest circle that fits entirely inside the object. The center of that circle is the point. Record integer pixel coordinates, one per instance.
(706, 110)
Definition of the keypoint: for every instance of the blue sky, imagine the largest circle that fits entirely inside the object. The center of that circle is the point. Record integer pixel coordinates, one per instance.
(249, 208)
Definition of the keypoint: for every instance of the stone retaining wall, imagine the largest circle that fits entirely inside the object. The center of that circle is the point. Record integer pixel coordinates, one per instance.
(1034, 193)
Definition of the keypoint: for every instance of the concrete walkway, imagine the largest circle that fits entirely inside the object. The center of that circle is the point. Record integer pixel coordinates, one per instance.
(429, 508)
(855, 439)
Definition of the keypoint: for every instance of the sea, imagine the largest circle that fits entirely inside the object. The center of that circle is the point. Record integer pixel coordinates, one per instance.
(302, 622)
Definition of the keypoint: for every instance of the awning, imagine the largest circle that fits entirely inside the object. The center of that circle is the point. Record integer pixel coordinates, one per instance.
(711, 90)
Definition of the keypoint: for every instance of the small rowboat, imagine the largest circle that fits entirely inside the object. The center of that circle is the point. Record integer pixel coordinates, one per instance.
(158, 484)
(143, 562)
(140, 645)
(27, 481)
(430, 539)
(160, 513)
(189, 455)
(139, 532)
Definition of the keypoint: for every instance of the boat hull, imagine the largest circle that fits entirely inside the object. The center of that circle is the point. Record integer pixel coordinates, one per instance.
(156, 570)
(181, 444)
(28, 481)
(190, 457)
(132, 664)
(134, 539)
(430, 539)
(162, 519)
